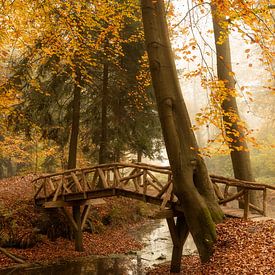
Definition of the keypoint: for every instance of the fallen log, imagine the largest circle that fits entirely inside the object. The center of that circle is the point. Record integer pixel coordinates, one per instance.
(15, 258)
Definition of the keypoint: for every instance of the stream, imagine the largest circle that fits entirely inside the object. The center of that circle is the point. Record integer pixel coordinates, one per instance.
(157, 249)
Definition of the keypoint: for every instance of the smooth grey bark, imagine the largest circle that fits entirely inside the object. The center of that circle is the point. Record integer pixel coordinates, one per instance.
(240, 158)
(192, 185)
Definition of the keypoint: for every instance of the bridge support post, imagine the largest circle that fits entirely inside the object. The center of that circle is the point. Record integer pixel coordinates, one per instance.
(246, 203)
(78, 230)
(179, 232)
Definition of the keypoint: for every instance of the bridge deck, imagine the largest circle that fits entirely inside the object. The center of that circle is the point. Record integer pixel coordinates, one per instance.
(69, 199)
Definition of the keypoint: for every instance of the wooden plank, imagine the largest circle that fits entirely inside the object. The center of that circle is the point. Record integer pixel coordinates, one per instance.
(150, 182)
(39, 189)
(59, 173)
(68, 190)
(233, 197)
(85, 185)
(76, 181)
(164, 170)
(218, 192)
(83, 202)
(117, 177)
(102, 177)
(137, 187)
(254, 207)
(155, 180)
(226, 193)
(85, 215)
(45, 188)
(94, 180)
(51, 184)
(163, 190)
(141, 166)
(95, 194)
(70, 218)
(167, 196)
(66, 184)
(99, 193)
(241, 183)
(145, 183)
(63, 184)
(132, 176)
(139, 179)
(108, 178)
(57, 190)
(142, 197)
(124, 180)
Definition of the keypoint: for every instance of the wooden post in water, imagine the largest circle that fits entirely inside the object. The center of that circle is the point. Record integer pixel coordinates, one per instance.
(78, 230)
(179, 233)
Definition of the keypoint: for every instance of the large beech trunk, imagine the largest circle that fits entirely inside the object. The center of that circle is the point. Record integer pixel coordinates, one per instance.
(240, 156)
(191, 181)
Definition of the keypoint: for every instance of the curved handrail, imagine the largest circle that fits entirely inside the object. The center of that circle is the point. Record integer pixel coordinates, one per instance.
(140, 178)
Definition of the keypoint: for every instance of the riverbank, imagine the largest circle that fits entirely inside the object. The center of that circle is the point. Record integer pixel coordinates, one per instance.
(19, 222)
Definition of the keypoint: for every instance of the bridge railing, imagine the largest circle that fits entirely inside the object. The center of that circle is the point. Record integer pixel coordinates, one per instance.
(143, 179)
(150, 180)
(241, 192)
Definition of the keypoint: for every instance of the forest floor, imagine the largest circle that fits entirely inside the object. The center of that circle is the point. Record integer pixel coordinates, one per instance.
(243, 247)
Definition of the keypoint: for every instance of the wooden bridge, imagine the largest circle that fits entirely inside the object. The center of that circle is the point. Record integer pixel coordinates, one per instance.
(149, 183)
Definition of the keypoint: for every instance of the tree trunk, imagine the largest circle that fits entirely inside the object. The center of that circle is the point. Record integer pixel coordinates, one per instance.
(192, 185)
(240, 156)
(73, 155)
(103, 152)
(75, 125)
(139, 156)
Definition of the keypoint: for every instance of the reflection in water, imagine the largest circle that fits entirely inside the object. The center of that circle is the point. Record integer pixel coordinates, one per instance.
(158, 248)
(120, 265)
(158, 243)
